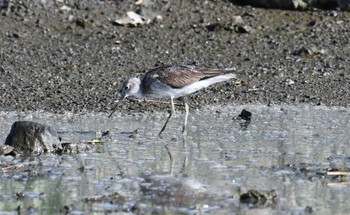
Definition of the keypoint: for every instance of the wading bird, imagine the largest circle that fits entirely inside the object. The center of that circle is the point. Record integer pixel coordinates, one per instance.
(173, 82)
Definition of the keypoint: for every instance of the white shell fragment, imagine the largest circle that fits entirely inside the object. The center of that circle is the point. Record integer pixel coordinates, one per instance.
(139, 2)
(133, 19)
(65, 8)
(299, 4)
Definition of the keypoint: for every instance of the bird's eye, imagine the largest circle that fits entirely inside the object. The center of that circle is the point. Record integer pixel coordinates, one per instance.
(124, 89)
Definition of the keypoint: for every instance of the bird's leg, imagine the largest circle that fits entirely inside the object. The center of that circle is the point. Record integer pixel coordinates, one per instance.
(115, 108)
(186, 117)
(170, 115)
(170, 157)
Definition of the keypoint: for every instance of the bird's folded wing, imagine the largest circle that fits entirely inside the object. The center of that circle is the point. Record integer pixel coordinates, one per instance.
(181, 76)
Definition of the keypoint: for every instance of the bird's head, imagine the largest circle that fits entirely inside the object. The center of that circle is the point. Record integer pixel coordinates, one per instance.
(131, 88)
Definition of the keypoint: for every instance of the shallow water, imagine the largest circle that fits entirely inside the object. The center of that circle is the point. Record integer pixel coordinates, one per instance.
(285, 150)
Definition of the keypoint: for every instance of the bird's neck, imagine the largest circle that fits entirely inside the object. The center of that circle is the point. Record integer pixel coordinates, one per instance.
(140, 93)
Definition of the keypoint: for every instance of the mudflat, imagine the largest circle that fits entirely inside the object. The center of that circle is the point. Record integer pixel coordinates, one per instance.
(74, 56)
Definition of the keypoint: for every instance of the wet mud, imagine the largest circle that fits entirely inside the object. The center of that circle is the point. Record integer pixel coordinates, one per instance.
(73, 57)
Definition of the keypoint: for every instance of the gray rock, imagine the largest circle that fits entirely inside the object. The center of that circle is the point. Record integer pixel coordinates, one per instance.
(32, 137)
(6, 150)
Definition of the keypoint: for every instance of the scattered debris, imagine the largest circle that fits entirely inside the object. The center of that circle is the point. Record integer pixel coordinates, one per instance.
(132, 134)
(133, 19)
(237, 20)
(100, 198)
(135, 134)
(309, 51)
(99, 136)
(95, 141)
(6, 150)
(14, 168)
(244, 29)
(338, 173)
(77, 147)
(237, 25)
(138, 2)
(214, 27)
(239, 83)
(65, 8)
(20, 195)
(300, 4)
(256, 198)
(288, 82)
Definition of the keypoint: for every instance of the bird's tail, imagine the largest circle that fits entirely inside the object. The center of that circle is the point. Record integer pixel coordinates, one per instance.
(230, 74)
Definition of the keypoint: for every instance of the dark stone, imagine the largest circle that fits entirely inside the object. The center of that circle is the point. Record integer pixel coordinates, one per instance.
(253, 197)
(32, 137)
(256, 198)
(214, 27)
(245, 115)
(308, 210)
(80, 23)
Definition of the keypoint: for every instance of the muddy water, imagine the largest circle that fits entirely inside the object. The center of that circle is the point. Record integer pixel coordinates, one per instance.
(284, 153)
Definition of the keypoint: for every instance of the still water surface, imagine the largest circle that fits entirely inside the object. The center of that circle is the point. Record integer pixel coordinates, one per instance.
(284, 150)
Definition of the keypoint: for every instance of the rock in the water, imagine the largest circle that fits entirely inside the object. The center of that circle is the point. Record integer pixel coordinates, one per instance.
(5, 150)
(245, 115)
(32, 137)
(254, 197)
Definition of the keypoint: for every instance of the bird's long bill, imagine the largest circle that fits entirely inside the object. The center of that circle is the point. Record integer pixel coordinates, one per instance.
(115, 107)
